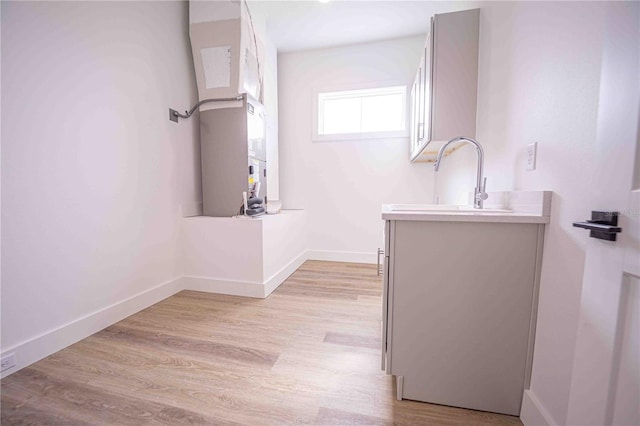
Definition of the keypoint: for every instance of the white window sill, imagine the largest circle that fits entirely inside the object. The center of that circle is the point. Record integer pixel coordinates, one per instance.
(360, 136)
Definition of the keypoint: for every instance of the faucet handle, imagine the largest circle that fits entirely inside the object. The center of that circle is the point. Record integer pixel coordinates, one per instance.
(482, 194)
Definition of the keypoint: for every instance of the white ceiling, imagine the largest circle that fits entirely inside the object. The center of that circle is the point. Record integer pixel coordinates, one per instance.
(309, 24)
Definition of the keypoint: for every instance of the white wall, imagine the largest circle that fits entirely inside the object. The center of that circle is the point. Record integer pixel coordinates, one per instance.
(94, 175)
(271, 118)
(242, 257)
(539, 81)
(342, 185)
(93, 172)
(269, 67)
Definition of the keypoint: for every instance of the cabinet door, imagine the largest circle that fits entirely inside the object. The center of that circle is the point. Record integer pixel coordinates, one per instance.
(426, 87)
(414, 122)
(421, 99)
(448, 82)
(460, 309)
(415, 91)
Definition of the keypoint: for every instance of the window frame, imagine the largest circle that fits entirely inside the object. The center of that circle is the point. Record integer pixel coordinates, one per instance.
(372, 86)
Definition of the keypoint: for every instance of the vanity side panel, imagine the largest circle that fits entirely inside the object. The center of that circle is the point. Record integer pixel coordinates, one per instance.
(461, 312)
(534, 306)
(385, 290)
(387, 302)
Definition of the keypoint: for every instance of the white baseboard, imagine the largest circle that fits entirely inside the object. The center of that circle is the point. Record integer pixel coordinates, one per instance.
(279, 277)
(243, 288)
(52, 341)
(223, 286)
(533, 412)
(342, 256)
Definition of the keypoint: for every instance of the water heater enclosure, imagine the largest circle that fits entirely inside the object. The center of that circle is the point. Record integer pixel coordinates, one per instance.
(233, 153)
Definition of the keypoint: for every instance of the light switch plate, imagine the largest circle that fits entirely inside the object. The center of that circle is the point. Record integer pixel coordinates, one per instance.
(531, 156)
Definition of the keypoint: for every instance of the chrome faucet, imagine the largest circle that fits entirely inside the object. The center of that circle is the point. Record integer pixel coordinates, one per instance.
(479, 194)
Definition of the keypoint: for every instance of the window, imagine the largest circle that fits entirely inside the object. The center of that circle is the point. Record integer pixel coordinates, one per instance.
(360, 114)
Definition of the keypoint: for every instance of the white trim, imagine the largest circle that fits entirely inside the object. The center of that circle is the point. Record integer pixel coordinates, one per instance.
(52, 341)
(223, 286)
(243, 288)
(335, 137)
(279, 277)
(45, 344)
(343, 256)
(354, 87)
(533, 412)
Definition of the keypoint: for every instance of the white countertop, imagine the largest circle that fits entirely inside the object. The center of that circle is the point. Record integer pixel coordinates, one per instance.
(504, 207)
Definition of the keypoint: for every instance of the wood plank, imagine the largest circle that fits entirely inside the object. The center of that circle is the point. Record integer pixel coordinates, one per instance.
(180, 344)
(331, 417)
(307, 354)
(72, 401)
(372, 342)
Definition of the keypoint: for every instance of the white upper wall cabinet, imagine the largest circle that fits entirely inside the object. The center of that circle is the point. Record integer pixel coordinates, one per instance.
(444, 93)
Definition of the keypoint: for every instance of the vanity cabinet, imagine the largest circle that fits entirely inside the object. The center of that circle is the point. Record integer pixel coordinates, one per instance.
(459, 306)
(444, 92)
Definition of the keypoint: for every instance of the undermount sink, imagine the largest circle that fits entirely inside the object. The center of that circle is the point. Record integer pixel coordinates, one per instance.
(445, 208)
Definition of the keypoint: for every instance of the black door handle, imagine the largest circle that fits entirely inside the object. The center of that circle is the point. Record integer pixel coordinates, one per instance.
(603, 225)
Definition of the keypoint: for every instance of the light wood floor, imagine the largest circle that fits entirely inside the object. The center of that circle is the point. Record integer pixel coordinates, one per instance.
(308, 354)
